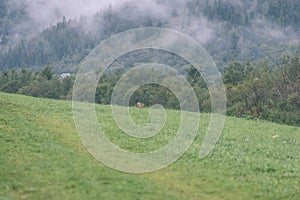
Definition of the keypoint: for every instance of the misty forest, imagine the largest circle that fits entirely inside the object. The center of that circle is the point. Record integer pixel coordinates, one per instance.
(254, 43)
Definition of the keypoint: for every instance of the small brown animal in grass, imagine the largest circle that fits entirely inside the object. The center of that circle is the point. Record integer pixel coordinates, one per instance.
(139, 105)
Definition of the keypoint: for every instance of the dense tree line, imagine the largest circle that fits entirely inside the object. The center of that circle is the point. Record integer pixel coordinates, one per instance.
(271, 93)
(253, 91)
(43, 84)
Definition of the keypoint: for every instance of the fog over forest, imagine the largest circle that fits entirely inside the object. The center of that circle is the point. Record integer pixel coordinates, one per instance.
(229, 30)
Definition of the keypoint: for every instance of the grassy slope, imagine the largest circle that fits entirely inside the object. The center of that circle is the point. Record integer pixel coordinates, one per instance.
(41, 157)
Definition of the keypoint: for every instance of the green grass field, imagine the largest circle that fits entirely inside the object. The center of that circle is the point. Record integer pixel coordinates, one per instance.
(42, 157)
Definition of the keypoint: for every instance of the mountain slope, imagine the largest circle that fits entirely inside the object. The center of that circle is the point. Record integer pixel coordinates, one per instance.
(43, 158)
(230, 30)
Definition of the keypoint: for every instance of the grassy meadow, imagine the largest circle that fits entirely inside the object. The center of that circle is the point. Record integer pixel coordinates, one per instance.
(42, 157)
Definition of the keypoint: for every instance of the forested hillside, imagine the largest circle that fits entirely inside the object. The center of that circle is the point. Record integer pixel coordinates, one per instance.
(230, 30)
(253, 91)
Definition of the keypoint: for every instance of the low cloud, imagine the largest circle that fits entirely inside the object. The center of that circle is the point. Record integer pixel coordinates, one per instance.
(44, 12)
